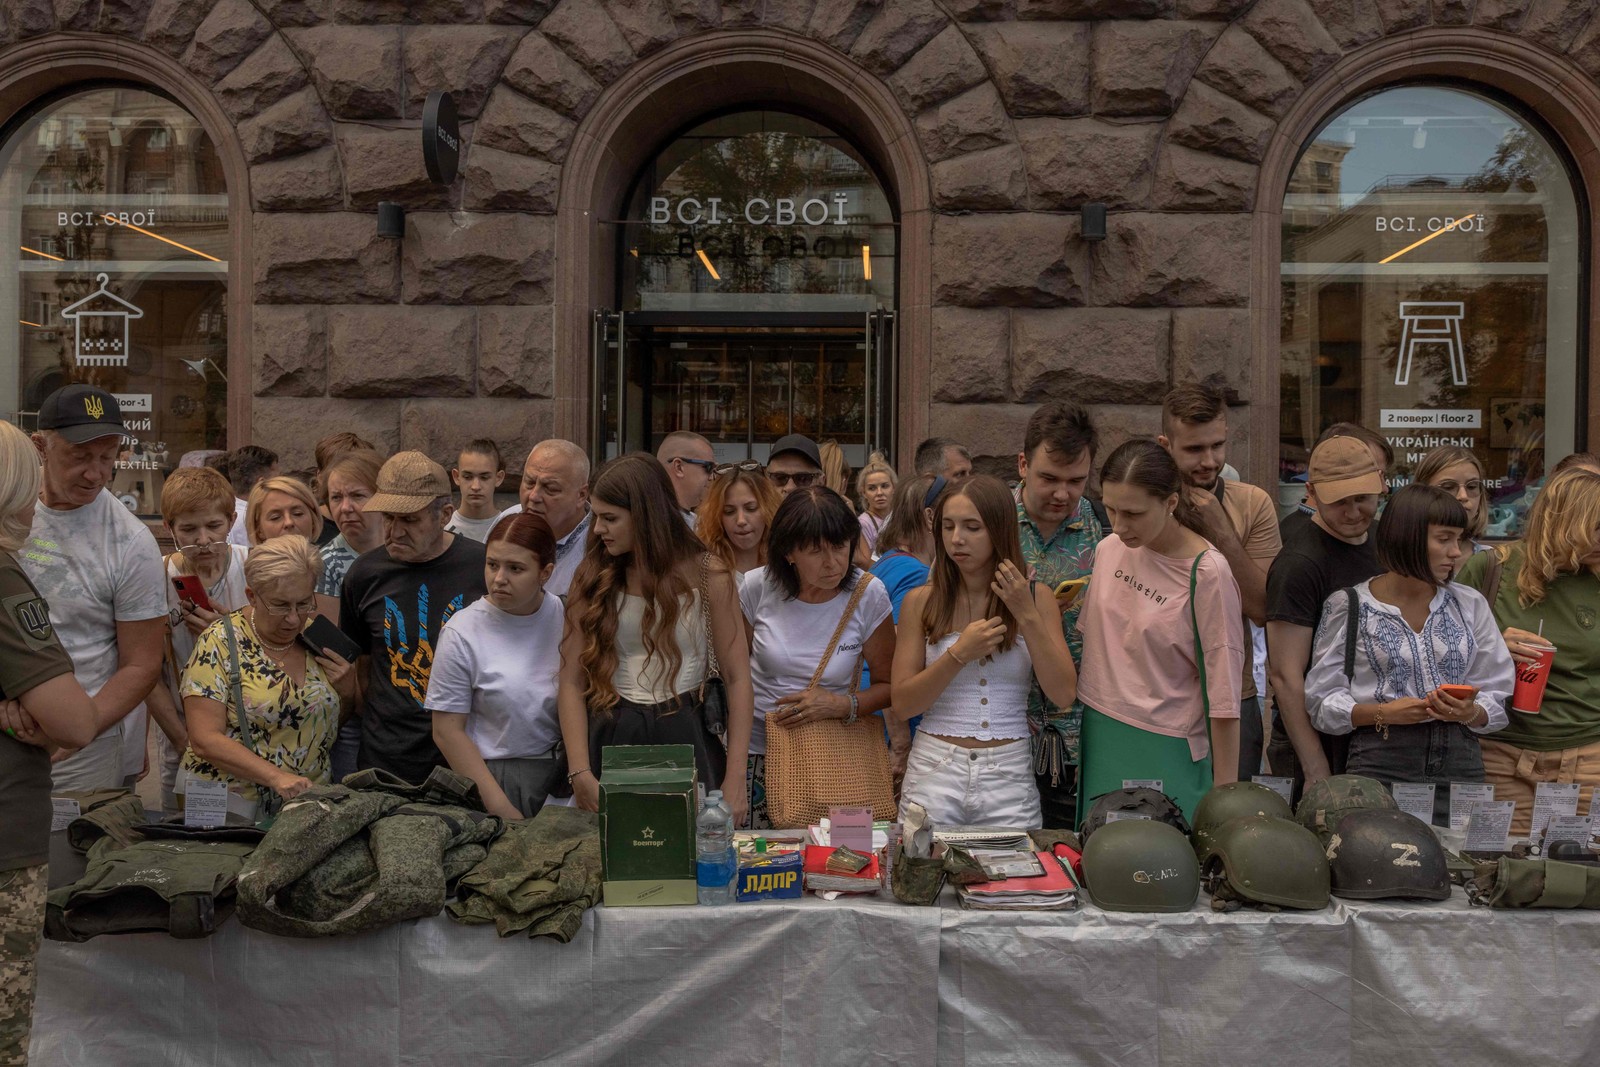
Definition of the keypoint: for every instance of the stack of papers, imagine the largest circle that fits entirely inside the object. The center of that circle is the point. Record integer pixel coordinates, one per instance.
(988, 837)
(821, 880)
(1054, 890)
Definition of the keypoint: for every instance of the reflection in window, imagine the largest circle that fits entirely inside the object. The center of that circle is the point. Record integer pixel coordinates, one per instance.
(114, 215)
(758, 211)
(1430, 289)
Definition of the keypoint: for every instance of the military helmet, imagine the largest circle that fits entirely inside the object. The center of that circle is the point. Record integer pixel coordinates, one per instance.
(1140, 865)
(1125, 804)
(1378, 854)
(1232, 801)
(1326, 802)
(1259, 859)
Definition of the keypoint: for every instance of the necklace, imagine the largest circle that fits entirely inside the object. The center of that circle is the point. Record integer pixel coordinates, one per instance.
(262, 641)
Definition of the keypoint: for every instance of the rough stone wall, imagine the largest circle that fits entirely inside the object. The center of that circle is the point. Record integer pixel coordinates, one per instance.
(1026, 109)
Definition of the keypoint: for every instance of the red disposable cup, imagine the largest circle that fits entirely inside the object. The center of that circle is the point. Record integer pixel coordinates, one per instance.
(1528, 696)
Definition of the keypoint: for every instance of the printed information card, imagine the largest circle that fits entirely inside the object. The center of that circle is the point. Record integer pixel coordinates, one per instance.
(1551, 799)
(1142, 783)
(1415, 798)
(1463, 795)
(1284, 787)
(62, 811)
(205, 803)
(1489, 826)
(850, 828)
(1569, 828)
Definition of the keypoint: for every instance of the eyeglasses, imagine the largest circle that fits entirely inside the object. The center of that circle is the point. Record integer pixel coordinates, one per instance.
(1473, 488)
(749, 466)
(304, 608)
(803, 480)
(707, 465)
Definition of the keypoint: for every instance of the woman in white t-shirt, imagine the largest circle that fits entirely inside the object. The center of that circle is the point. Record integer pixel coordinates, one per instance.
(636, 652)
(971, 643)
(492, 689)
(793, 605)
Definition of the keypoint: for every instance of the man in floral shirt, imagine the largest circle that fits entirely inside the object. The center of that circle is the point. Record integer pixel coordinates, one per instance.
(1060, 528)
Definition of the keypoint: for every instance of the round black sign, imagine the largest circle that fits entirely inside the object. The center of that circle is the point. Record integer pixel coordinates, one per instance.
(441, 137)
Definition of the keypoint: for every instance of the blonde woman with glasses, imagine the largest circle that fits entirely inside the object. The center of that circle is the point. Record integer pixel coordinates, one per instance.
(262, 710)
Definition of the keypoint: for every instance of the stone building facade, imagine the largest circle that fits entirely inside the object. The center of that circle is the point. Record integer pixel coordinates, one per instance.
(991, 123)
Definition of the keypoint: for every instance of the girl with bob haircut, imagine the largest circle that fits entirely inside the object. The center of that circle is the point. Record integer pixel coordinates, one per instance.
(45, 708)
(972, 641)
(875, 489)
(282, 505)
(1163, 640)
(736, 516)
(634, 653)
(1459, 472)
(492, 689)
(1545, 591)
(794, 604)
(1385, 647)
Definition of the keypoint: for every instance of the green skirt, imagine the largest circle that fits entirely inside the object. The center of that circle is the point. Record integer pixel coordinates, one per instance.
(1113, 752)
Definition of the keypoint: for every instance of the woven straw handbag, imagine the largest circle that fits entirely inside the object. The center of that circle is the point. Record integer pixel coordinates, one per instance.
(815, 766)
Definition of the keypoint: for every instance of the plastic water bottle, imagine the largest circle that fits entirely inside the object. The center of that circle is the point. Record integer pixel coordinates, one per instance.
(715, 864)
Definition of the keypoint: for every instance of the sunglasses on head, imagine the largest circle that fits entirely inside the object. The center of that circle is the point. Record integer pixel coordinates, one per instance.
(750, 466)
(803, 480)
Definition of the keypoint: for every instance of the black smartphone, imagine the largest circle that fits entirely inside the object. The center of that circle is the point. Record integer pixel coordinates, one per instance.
(322, 636)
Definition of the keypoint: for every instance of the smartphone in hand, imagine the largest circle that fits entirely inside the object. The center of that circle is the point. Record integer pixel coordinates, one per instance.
(192, 589)
(322, 637)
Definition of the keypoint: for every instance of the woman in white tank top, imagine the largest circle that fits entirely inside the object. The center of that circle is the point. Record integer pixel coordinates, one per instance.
(971, 642)
(633, 654)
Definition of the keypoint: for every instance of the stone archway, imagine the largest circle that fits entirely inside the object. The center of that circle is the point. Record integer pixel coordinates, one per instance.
(697, 77)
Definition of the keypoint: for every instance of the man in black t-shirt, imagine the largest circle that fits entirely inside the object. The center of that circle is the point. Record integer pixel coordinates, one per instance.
(396, 600)
(1330, 552)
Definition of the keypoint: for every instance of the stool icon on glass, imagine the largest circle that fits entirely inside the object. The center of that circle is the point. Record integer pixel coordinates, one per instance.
(1431, 322)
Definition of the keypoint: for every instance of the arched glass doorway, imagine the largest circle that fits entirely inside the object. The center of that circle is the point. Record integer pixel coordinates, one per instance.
(1432, 281)
(754, 296)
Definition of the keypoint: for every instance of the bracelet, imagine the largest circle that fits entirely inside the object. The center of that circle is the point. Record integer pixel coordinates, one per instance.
(575, 774)
(951, 652)
(1378, 724)
(855, 707)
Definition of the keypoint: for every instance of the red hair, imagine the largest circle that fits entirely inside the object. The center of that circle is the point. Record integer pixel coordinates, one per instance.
(529, 531)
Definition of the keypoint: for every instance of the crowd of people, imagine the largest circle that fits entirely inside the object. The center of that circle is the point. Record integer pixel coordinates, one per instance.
(1028, 645)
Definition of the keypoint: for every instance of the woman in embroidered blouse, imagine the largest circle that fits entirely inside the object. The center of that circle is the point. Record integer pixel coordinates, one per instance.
(291, 699)
(966, 654)
(1416, 631)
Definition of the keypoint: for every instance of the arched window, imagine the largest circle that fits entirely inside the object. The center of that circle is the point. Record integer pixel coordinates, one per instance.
(1431, 285)
(115, 215)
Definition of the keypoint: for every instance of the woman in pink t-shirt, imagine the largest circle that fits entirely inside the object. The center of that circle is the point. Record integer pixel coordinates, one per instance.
(1163, 644)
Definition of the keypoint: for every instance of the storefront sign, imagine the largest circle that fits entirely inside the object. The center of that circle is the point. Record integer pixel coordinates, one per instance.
(1431, 419)
(757, 211)
(1476, 223)
(441, 137)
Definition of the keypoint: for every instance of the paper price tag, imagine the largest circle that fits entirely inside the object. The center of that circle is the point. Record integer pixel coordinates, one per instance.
(1142, 783)
(1119, 816)
(1569, 828)
(205, 803)
(850, 828)
(1551, 799)
(1489, 826)
(62, 811)
(1463, 795)
(1284, 787)
(1415, 798)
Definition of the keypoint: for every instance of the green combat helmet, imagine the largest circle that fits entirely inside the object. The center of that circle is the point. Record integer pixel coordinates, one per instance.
(1331, 799)
(1233, 801)
(1265, 861)
(1375, 855)
(1140, 865)
(1133, 804)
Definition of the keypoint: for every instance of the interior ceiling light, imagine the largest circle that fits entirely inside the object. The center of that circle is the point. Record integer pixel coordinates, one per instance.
(140, 229)
(866, 262)
(709, 268)
(1436, 233)
(46, 255)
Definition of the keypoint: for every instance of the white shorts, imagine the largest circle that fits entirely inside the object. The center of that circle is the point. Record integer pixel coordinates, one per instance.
(97, 765)
(973, 786)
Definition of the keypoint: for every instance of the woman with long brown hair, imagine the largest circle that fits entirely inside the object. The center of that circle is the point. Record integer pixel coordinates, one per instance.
(1545, 591)
(735, 516)
(634, 654)
(969, 646)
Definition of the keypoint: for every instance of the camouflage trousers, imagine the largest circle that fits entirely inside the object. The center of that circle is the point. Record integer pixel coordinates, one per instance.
(22, 893)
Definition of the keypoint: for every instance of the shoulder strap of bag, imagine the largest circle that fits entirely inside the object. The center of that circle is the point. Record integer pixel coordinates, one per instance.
(1352, 628)
(713, 668)
(1199, 648)
(1491, 579)
(838, 631)
(236, 686)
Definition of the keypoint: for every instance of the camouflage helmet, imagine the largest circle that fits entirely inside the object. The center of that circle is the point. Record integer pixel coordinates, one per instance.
(1375, 855)
(1232, 801)
(1135, 804)
(1140, 865)
(1326, 802)
(1258, 859)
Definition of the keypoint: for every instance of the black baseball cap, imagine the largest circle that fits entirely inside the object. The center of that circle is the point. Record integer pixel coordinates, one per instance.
(82, 413)
(796, 442)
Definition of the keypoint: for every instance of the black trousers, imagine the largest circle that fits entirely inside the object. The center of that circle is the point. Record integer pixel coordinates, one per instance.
(672, 722)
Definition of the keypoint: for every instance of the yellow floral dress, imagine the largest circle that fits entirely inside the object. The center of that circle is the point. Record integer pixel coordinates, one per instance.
(293, 726)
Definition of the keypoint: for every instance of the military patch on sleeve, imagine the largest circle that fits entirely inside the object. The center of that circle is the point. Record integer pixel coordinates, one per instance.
(31, 616)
